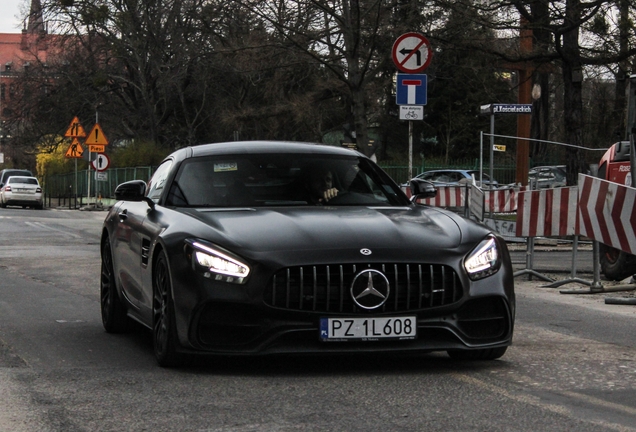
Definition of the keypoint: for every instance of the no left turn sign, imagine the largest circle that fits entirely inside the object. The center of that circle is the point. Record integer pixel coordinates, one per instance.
(412, 53)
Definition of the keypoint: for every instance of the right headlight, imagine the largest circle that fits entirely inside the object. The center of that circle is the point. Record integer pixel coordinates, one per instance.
(216, 263)
(484, 260)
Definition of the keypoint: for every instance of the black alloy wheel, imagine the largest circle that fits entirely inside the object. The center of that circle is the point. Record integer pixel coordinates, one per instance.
(114, 316)
(163, 323)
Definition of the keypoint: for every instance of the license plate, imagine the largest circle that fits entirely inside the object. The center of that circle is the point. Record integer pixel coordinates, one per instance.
(368, 329)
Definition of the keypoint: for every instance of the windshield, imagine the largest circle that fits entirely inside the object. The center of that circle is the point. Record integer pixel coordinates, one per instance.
(258, 180)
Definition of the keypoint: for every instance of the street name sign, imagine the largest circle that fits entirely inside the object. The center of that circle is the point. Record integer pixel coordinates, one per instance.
(506, 109)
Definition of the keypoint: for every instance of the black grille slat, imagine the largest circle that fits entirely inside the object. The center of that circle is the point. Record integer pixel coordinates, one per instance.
(325, 288)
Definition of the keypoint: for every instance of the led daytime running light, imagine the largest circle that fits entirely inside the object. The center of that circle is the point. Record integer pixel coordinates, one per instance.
(483, 258)
(218, 262)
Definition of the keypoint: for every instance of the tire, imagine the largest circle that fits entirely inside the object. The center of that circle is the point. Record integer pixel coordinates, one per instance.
(114, 316)
(478, 354)
(615, 264)
(164, 335)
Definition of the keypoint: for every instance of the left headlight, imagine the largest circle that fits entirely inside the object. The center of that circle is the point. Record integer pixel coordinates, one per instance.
(216, 263)
(484, 260)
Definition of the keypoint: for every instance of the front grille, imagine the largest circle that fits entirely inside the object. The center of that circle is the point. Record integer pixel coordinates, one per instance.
(326, 288)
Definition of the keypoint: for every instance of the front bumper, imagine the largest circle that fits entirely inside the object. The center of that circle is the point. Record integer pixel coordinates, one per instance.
(218, 318)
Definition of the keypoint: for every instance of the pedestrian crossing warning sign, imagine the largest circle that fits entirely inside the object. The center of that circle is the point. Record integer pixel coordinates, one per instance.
(75, 150)
(75, 129)
(96, 136)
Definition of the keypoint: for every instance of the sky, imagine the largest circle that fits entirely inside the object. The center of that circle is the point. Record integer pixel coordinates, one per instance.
(8, 11)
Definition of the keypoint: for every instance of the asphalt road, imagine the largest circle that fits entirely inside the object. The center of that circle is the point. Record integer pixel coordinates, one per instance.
(571, 366)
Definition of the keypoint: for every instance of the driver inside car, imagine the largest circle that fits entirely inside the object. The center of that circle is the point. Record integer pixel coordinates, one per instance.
(320, 185)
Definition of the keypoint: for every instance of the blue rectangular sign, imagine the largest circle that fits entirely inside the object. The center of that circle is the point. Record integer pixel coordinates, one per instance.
(411, 89)
(506, 109)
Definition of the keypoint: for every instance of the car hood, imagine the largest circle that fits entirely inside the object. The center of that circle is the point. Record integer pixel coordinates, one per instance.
(399, 231)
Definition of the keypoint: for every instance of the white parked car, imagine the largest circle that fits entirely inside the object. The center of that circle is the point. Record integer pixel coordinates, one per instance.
(22, 191)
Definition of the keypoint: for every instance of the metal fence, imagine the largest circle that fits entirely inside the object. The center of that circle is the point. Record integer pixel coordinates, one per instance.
(73, 189)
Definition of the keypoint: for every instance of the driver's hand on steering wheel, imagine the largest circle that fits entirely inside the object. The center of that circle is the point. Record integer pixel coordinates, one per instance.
(329, 194)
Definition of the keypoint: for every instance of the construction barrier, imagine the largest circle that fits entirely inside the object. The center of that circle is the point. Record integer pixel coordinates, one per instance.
(547, 212)
(496, 201)
(607, 213)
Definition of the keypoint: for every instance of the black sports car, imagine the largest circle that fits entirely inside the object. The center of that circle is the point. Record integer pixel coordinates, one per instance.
(246, 248)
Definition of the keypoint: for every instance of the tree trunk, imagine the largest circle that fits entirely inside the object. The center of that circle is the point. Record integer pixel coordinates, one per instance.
(572, 91)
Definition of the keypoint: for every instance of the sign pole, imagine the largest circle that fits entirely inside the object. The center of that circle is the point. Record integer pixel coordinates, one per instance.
(492, 145)
(410, 149)
(75, 189)
(88, 178)
(481, 158)
(75, 150)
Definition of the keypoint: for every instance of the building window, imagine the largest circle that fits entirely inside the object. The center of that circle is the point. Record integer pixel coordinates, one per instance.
(3, 89)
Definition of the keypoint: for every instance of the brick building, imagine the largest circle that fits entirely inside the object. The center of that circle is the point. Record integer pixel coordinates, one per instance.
(17, 52)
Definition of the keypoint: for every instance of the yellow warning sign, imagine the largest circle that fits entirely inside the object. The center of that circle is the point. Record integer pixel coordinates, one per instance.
(96, 148)
(75, 129)
(75, 150)
(96, 136)
(498, 147)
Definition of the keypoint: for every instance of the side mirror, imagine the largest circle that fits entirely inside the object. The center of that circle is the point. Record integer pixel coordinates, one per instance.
(131, 191)
(422, 189)
(134, 190)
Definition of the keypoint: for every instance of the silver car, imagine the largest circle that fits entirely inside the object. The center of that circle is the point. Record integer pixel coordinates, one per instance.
(22, 191)
(545, 177)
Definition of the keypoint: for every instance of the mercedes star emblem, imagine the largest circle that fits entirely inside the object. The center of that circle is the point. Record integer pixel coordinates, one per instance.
(370, 289)
(365, 251)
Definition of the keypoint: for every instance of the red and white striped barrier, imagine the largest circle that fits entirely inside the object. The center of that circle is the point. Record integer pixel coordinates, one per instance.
(607, 213)
(547, 212)
(503, 200)
(447, 196)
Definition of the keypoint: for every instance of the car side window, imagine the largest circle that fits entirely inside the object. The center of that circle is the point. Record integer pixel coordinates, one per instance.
(158, 181)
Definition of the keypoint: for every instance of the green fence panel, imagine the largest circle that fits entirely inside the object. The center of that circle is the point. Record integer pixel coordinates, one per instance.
(72, 184)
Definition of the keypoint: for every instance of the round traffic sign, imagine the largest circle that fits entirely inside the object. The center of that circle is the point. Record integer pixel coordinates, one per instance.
(412, 53)
(101, 162)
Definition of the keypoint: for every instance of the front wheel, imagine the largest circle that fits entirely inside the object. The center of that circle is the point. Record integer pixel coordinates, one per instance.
(164, 333)
(478, 354)
(616, 264)
(114, 316)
